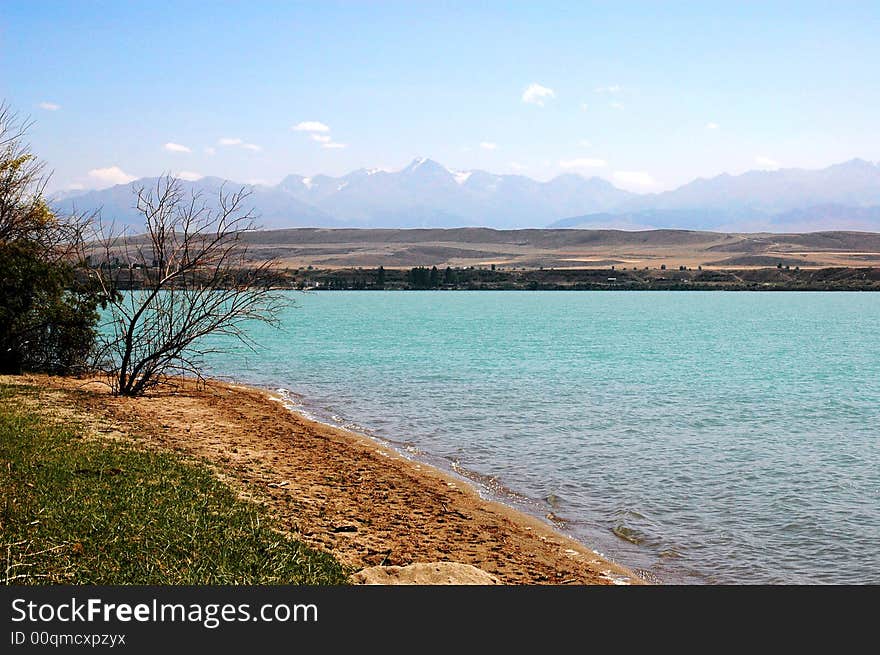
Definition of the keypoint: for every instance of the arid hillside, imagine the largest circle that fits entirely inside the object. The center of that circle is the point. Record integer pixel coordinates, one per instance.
(562, 248)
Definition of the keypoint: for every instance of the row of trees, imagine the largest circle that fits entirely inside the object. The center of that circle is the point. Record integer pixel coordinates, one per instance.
(431, 278)
(59, 315)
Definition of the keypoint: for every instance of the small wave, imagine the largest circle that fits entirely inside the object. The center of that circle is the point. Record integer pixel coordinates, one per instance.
(553, 500)
(669, 553)
(648, 576)
(636, 528)
(628, 534)
(294, 402)
(489, 483)
(556, 520)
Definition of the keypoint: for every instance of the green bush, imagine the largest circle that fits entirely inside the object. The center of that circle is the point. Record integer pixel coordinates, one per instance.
(47, 319)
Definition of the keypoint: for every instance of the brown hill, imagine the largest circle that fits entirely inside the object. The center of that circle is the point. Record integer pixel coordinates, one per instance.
(560, 248)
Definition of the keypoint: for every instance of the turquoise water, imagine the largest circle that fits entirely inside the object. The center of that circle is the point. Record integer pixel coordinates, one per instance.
(700, 437)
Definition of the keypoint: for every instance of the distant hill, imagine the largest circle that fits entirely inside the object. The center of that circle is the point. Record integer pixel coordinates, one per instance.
(855, 183)
(426, 194)
(560, 248)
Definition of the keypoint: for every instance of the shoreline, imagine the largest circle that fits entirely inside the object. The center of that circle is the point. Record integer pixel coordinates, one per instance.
(502, 495)
(616, 573)
(421, 461)
(338, 490)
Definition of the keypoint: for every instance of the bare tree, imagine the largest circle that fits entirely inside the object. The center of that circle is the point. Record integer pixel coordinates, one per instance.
(186, 280)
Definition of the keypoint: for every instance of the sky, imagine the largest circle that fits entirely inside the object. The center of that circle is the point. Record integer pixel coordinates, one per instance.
(647, 95)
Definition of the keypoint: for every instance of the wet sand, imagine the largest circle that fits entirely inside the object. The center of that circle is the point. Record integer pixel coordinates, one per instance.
(336, 490)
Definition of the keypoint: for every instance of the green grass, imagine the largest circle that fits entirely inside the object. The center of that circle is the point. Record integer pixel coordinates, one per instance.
(81, 511)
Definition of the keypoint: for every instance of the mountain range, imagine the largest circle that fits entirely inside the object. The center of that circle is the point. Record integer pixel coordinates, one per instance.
(428, 194)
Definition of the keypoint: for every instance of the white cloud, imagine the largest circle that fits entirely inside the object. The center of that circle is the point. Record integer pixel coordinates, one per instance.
(488, 145)
(613, 88)
(318, 132)
(712, 126)
(210, 151)
(227, 141)
(75, 186)
(638, 179)
(766, 162)
(175, 147)
(516, 166)
(190, 176)
(110, 176)
(616, 105)
(583, 162)
(584, 143)
(49, 106)
(310, 126)
(535, 94)
(584, 106)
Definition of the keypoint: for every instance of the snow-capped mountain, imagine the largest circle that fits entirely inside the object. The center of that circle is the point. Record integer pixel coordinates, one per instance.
(423, 194)
(428, 194)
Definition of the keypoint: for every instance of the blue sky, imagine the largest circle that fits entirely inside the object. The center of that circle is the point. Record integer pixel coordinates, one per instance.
(648, 95)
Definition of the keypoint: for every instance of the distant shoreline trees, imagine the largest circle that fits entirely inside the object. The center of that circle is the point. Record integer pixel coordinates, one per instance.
(424, 278)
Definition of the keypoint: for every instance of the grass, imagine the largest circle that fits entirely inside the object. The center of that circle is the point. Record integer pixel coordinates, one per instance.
(76, 510)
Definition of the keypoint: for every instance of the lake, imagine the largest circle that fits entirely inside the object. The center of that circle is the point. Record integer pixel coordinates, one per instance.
(697, 437)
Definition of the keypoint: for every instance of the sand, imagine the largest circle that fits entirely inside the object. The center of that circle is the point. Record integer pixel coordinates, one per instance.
(336, 490)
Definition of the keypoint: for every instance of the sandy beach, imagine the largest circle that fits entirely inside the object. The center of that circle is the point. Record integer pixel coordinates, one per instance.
(338, 491)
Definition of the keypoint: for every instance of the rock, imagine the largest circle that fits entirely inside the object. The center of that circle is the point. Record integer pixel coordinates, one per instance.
(425, 573)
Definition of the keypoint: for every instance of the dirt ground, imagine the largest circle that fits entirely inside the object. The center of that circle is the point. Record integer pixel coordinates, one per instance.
(335, 490)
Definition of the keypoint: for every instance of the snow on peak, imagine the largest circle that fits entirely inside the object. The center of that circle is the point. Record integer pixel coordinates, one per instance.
(307, 181)
(418, 162)
(460, 176)
(342, 186)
